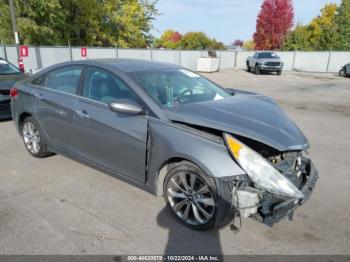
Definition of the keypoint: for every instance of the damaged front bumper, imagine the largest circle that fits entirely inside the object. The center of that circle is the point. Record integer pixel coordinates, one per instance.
(269, 208)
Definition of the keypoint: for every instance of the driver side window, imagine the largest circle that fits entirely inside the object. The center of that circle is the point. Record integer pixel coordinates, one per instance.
(105, 87)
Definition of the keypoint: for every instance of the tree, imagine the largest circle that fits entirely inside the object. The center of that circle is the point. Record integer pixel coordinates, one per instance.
(216, 45)
(320, 35)
(5, 23)
(323, 29)
(195, 40)
(238, 42)
(273, 24)
(169, 39)
(249, 45)
(298, 39)
(199, 41)
(125, 23)
(343, 23)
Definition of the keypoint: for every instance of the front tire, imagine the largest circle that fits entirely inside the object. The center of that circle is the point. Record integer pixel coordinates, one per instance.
(279, 72)
(248, 67)
(33, 139)
(192, 197)
(257, 70)
(342, 73)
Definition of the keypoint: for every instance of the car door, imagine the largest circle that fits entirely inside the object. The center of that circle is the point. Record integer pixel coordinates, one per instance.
(54, 96)
(114, 141)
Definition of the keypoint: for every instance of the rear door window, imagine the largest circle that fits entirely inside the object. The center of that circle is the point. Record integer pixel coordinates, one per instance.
(64, 79)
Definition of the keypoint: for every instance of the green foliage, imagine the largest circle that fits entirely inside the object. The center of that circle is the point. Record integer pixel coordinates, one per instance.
(191, 41)
(249, 45)
(199, 41)
(323, 29)
(125, 23)
(329, 31)
(169, 39)
(343, 24)
(215, 45)
(298, 39)
(5, 23)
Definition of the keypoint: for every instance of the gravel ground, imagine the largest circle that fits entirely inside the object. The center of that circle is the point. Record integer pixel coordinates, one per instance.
(58, 206)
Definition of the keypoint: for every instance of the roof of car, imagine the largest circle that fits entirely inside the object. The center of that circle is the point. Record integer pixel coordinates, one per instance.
(134, 65)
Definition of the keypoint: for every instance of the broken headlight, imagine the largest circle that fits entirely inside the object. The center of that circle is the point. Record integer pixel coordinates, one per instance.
(262, 173)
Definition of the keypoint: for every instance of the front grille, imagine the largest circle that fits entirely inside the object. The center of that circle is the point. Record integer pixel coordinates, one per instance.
(272, 63)
(5, 92)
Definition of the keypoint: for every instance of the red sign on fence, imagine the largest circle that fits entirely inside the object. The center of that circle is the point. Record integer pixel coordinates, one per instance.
(23, 51)
(83, 52)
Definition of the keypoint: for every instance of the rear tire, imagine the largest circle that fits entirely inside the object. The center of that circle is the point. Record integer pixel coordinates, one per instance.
(33, 139)
(193, 199)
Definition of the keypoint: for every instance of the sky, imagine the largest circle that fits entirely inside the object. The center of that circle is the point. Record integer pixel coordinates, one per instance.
(225, 20)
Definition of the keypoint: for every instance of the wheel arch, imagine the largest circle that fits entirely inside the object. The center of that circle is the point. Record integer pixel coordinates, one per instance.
(20, 120)
(167, 164)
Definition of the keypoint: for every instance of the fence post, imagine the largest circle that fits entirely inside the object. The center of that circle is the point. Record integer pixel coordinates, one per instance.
(179, 57)
(70, 52)
(116, 52)
(235, 60)
(2, 46)
(329, 60)
(4, 49)
(39, 61)
(151, 53)
(294, 55)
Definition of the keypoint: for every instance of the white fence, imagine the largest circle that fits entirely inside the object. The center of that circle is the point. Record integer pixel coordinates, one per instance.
(43, 56)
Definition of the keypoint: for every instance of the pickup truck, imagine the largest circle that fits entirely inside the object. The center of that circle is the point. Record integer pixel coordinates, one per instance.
(265, 62)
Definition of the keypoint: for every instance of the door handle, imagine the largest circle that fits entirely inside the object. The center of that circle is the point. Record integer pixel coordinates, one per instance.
(82, 114)
(39, 96)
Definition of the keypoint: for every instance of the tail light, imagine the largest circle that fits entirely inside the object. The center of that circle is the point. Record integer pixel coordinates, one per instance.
(20, 64)
(13, 92)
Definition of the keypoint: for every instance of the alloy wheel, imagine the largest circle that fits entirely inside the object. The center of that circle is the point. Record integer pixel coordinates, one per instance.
(31, 137)
(190, 198)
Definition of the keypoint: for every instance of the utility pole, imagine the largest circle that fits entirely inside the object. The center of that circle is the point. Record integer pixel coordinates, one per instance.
(14, 27)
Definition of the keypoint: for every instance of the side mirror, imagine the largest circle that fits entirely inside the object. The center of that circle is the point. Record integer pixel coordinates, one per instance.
(125, 106)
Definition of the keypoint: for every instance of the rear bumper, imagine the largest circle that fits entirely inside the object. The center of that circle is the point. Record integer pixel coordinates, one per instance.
(5, 107)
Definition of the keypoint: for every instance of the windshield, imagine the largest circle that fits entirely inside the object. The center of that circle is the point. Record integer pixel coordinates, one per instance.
(268, 56)
(7, 68)
(171, 88)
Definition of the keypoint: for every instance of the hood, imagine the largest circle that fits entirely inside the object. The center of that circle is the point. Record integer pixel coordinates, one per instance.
(8, 81)
(249, 115)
